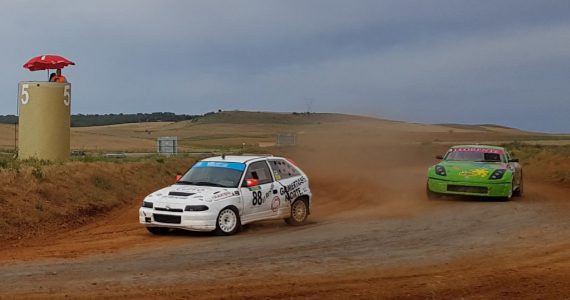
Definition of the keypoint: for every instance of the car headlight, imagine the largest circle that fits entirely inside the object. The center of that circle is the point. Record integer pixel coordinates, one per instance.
(195, 208)
(498, 174)
(440, 170)
(147, 204)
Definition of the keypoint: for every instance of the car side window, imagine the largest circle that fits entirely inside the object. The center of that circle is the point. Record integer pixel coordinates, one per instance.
(259, 171)
(282, 169)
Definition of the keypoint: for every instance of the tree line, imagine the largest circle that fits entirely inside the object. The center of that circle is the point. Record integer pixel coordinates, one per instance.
(81, 120)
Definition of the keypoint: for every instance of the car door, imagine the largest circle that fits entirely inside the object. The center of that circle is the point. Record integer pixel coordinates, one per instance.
(257, 199)
(288, 179)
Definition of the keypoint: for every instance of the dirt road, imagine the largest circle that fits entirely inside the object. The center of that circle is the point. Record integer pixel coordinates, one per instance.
(373, 234)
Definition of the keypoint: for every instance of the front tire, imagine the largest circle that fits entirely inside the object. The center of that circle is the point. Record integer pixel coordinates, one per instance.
(509, 197)
(431, 195)
(228, 222)
(299, 213)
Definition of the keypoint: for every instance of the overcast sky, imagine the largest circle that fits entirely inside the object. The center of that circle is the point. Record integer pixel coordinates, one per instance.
(505, 62)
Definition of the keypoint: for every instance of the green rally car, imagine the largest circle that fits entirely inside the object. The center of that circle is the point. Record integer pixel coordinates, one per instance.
(476, 170)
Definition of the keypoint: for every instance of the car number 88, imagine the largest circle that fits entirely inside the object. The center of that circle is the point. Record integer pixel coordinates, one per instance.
(257, 198)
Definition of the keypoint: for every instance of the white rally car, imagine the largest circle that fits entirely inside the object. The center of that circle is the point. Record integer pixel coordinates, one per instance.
(222, 193)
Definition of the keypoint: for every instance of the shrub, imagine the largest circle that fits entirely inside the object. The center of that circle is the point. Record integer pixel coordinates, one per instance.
(101, 182)
(38, 173)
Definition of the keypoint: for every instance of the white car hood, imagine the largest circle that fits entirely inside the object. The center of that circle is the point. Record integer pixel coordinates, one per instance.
(190, 194)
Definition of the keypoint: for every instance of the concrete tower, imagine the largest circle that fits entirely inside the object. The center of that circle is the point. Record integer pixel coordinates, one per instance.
(44, 117)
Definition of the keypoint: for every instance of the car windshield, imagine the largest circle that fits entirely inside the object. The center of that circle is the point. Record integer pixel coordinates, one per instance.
(219, 174)
(478, 155)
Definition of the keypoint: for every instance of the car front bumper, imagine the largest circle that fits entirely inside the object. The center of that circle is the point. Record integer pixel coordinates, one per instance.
(491, 189)
(193, 221)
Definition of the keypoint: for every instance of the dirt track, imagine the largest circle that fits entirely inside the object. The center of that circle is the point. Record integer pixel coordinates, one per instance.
(373, 234)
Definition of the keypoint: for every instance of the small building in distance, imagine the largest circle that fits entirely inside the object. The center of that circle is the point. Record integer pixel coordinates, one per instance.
(286, 139)
(167, 145)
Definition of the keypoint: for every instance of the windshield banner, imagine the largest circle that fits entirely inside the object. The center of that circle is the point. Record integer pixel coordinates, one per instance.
(216, 164)
(484, 150)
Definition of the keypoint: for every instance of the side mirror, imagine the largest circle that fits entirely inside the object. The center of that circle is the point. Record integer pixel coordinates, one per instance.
(178, 177)
(439, 157)
(514, 160)
(250, 182)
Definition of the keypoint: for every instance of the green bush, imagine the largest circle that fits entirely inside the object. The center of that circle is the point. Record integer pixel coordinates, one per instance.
(38, 173)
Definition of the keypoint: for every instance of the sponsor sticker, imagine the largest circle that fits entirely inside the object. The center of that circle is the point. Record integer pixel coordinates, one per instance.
(277, 175)
(475, 173)
(275, 204)
(222, 195)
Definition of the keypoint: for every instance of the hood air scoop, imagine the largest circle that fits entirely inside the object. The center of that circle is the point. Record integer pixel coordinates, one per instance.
(183, 194)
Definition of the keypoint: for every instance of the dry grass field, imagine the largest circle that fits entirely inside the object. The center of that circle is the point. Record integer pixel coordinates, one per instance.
(223, 131)
(230, 130)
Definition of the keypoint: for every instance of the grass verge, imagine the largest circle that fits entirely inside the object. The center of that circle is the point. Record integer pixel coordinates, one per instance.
(39, 197)
(546, 163)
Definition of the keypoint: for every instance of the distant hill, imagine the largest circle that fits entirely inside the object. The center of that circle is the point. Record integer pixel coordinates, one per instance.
(228, 117)
(483, 127)
(258, 117)
(234, 117)
(81, 120)
(8, 119)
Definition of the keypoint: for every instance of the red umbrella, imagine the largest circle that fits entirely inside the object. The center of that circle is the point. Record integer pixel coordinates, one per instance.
(46, 62)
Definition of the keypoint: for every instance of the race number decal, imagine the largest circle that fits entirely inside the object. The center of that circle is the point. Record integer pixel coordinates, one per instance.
(257, 198)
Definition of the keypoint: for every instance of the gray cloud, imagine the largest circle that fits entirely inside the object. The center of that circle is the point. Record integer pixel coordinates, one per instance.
(431, 61)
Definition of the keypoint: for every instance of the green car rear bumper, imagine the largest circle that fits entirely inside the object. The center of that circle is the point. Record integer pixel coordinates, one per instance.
(491, 189)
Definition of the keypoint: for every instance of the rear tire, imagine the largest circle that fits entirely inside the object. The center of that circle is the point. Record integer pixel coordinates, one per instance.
(227, 222)
(158, 230)
(519, 191)
(299, 213)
